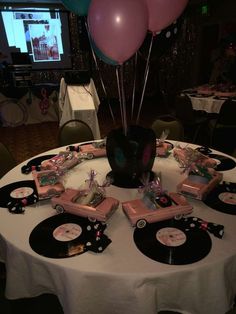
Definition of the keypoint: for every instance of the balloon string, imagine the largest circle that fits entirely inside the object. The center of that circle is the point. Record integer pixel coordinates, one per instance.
(134, 85)
(99, 73)
(120, 99)
(123, 98)
(145, 79)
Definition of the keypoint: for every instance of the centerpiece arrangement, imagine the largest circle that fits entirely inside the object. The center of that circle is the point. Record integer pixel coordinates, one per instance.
(116, 30)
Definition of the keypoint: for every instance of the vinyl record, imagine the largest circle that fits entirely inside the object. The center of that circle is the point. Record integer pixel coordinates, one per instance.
(170, 242)
(35, 162)
(223, 198)
(18, 191)
(60, 236)
(224, 162)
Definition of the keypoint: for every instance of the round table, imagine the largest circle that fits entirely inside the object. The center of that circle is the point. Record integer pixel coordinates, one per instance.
(121, 279)
(208, 104)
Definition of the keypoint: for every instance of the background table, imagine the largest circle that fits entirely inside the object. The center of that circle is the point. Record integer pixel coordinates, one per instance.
(79, 102)
(121, 279)
(209, 104)
(36, 104)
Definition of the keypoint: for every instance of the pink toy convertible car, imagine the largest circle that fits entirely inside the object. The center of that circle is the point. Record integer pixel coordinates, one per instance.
(197, 186)
(47, 184)
(166, 206)
(93, 149)
(90, 204)
(187, 155)
(61, 162)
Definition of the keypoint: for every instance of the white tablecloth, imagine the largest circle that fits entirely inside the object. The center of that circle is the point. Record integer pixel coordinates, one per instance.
(80, 102)
(121, 280)
(208, 104)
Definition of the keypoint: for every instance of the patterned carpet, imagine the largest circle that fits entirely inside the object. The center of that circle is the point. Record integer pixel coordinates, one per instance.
(26, 141)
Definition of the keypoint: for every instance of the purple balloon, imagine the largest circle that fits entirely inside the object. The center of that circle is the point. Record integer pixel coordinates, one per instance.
(118, 27)
(163, 12)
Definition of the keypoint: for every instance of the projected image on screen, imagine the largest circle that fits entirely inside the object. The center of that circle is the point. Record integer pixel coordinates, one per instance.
(42, 33)
(44, 42)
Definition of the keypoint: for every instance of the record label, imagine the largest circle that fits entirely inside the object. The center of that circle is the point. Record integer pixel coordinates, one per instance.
(171, 236)
(21, 192)
(228, 198)
(171, 242)
(67, 232)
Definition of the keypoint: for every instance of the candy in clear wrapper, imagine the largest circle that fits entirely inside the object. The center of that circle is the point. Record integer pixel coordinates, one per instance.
(190, 158)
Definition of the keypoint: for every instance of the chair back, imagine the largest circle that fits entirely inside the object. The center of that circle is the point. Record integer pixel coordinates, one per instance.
(184, 109)
(224, 130)
(74, 131)
(170, 123)
(227, 113)
(7, 162)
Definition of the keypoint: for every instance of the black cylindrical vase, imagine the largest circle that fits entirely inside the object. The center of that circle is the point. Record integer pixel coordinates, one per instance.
(130, 155)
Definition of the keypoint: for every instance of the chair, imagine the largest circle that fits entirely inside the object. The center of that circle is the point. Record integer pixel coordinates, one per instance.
(223, 129)
(74, 131)
(170, 123)
(7, 162)
(192, 120)
(234, 153)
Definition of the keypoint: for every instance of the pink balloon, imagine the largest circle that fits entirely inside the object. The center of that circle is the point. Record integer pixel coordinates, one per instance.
(118, 27)
(163, 12)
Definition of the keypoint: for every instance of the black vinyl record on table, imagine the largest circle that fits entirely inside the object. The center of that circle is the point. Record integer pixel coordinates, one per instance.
(169, 242)
(226, 163)
(17, 191)
(223, 198)
(35, 162)
(60, 236)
